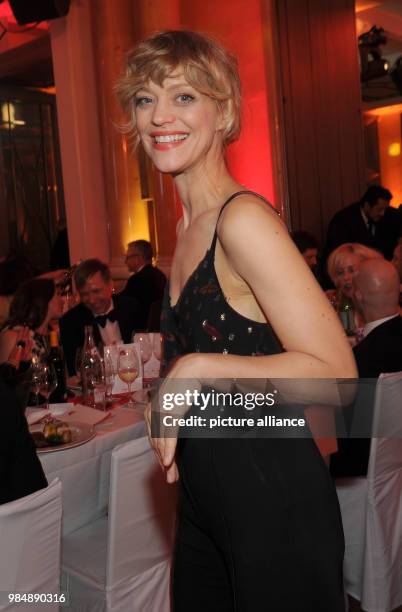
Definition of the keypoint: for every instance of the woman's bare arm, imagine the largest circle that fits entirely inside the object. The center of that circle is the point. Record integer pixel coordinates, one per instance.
(259, 250)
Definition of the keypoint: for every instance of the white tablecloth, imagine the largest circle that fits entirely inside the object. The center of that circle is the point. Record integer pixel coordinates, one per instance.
(84, 470)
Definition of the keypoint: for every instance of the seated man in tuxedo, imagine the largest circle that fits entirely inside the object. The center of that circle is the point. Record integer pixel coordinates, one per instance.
(376, 295)
(371, 222)
(147, 284)
(114, 318)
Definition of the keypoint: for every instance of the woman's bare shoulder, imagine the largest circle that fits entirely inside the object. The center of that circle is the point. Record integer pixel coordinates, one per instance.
(249, 213)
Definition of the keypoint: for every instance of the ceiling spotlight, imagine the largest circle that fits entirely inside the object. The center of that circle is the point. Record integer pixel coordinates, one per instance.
(372, 66)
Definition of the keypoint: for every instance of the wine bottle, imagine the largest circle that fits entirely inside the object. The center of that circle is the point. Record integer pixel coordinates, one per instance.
(56, 358)
(346, 314)
(92, 372)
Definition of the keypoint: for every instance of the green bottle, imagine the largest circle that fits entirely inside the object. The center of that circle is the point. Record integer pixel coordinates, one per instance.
(346, 313)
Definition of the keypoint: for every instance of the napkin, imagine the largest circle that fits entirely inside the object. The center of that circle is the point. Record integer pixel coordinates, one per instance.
(36, 416)
(84, 414)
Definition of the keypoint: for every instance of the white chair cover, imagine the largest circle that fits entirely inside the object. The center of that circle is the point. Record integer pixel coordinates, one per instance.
(372, 508)
(123, 562)
(30, 530)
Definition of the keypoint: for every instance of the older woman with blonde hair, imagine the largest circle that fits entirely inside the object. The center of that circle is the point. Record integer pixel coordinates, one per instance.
(343, 263)
(259, 524)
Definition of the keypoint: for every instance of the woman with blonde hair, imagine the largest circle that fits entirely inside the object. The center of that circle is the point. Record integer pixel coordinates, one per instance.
(259, 524)
(344, 262)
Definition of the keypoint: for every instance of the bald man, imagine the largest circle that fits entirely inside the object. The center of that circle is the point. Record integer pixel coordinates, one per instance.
(376, 295)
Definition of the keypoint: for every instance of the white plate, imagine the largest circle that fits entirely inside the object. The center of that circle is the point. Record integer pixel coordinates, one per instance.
(80, 433)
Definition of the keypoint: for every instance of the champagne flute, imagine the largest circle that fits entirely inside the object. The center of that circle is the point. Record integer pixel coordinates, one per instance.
(127, 369)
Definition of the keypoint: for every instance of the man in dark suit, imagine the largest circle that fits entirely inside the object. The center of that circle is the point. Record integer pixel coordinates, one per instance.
(114, 318)
(147, 284)
(376, 295)
(371, 222)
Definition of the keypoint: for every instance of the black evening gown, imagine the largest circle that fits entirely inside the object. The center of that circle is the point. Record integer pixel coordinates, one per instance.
(259, 526)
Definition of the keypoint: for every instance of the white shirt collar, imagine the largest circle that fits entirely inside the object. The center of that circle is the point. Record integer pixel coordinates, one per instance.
(107, 311)
(139, 269)
(365, 217)
(373, 324)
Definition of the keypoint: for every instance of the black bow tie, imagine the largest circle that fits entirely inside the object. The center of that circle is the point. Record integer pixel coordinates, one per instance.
(102, 319)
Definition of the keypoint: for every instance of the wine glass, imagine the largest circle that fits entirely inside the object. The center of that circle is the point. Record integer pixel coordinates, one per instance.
(142, 338)
(127, 369)
(47, 381)
(36, 376)
(157, 345)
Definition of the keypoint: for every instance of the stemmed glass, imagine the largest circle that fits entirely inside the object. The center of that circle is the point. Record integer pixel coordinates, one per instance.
(47, 381)
(157, 345)
(145, 346)
(36, 377)
(127, 369)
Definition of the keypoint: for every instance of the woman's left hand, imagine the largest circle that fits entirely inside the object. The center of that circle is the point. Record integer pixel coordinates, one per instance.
(186, 371)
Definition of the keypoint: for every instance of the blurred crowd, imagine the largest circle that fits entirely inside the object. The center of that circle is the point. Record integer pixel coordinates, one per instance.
(63, 302)
(359, 267)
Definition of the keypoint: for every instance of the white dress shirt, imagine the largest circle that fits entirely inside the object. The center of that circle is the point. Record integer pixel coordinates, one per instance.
(110, 334)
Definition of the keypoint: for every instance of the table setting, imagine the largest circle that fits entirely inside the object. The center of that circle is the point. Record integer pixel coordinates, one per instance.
(78, 436)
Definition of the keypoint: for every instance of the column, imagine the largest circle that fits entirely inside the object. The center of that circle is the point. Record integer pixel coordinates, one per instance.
(140, 202)
(80, 141)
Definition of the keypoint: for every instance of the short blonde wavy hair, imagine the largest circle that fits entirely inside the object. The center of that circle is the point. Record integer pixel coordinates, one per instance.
(206, 66)
(338, 256)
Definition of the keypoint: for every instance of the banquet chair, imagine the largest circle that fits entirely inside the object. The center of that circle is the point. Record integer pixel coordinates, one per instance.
(372, 509)
(30, 531)
(122, 562)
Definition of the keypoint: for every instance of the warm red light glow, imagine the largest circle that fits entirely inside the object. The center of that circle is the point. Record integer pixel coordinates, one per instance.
(5, 11)
(389, 136)
(250, 159)
(385, 110)
(6, 14)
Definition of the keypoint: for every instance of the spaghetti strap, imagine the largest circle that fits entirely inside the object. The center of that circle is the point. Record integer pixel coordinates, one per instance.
(230, 198)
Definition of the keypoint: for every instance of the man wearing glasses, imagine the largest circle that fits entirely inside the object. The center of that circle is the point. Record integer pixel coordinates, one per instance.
(147, 283)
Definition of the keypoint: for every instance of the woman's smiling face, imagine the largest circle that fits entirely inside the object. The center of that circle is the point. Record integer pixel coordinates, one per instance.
(178, 126)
